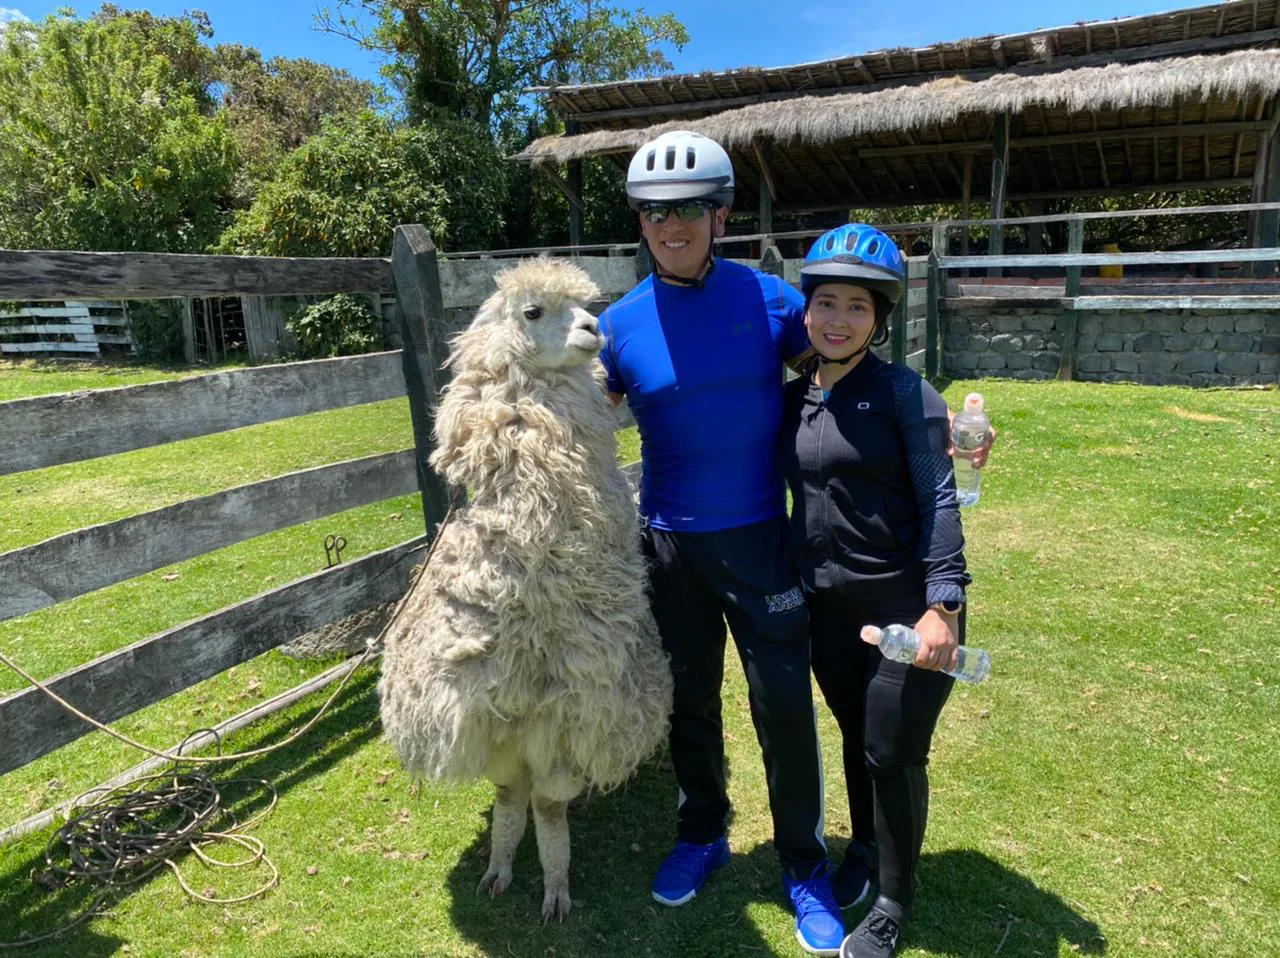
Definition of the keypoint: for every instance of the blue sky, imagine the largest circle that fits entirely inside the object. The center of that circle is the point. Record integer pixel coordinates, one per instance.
(724, 33)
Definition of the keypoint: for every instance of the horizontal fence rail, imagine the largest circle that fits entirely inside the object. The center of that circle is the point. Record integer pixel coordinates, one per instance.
(469, 282)
(69, 565)
(129, 679)
(52, 275)
(1111, 259)
(70, 427)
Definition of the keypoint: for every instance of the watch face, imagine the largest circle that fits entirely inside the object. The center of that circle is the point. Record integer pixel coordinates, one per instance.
(951, 608)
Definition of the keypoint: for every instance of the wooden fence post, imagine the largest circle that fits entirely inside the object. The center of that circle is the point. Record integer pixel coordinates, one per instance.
(932, 324)
(1071, 289)
(898, 321)
(771, 261)
(421, 308)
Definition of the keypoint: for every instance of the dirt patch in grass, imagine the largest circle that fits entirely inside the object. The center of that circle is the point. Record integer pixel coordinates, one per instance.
(1196, 416)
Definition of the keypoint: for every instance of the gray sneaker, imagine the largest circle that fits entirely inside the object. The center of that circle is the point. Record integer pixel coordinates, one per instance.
(877, 936)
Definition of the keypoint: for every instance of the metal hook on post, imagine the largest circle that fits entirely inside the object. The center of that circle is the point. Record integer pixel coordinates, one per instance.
(333, 546)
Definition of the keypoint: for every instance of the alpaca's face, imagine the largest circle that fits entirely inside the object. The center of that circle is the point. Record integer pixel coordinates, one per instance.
(560, 332)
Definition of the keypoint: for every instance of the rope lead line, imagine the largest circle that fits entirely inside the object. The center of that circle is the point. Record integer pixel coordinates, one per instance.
(119, 836)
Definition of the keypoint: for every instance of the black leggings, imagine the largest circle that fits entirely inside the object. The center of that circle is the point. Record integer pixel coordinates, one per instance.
(887, 712)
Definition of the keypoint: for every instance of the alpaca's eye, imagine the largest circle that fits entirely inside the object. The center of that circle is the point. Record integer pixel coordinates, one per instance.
(533, 312)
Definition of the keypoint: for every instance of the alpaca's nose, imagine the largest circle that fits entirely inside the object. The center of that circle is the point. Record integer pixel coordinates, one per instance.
(586, 322)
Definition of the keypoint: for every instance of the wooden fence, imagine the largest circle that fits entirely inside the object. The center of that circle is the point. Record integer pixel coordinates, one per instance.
(79, 328)
(47, 431)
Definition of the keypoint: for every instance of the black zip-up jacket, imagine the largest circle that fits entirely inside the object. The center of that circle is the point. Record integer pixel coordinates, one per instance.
(872, 488)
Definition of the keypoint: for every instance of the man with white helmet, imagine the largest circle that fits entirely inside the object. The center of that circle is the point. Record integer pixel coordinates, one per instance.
(697, 349)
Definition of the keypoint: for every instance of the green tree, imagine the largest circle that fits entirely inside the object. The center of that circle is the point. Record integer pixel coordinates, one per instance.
(474, 58)
(273, 106)
(107, 135)
(343, 192)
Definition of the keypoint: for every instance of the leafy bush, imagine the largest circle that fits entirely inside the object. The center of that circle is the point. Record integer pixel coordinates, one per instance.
(341, 325)
(343, 192)
(157, 330)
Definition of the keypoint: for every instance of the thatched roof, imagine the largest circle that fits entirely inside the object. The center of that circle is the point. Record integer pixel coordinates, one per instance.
(1154, 121)
(1215, 28)
(818, 121)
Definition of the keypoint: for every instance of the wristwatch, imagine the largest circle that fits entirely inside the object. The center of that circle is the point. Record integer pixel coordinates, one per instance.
(949, 607)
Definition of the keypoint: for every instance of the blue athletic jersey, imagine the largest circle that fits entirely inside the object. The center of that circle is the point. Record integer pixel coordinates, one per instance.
(702, 372)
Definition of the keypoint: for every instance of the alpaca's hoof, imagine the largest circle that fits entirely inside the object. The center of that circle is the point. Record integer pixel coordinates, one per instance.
(495, 882)
(556, 903)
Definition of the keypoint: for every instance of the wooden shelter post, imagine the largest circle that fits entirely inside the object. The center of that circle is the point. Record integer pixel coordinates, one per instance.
(1067, 356)
(999, 188)
(1268, 233)
(1035, 231)
(966, 203)
(573, 171)
(768, 192)
(420, 304)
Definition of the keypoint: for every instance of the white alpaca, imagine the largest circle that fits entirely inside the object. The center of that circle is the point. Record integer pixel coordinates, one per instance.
(526, 653)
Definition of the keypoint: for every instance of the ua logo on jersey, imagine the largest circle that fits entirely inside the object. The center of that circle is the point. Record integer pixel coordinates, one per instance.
(864, 405)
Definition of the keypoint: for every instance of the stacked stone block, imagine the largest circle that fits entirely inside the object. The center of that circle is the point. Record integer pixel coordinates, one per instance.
(1183, 347)
(1019, 342)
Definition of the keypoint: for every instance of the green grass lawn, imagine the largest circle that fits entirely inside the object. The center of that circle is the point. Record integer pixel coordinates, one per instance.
(1110, 790)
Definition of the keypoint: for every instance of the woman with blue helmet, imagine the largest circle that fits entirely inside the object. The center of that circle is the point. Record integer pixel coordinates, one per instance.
(876, 532)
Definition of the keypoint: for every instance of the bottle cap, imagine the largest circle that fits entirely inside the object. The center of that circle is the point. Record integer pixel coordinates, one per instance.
(973, 402)
(871, 634)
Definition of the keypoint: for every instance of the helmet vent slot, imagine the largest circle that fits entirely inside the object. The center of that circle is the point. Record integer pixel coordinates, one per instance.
(671, 157)
(872, 248)
(650, 159)
(690, 158)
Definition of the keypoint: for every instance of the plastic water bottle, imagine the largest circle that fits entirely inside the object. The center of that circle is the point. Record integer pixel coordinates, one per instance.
(900, 643)
(969, 430)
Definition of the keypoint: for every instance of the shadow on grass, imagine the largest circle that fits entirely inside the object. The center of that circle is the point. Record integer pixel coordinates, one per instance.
(967, 901)
(618, 842)
(33, 909)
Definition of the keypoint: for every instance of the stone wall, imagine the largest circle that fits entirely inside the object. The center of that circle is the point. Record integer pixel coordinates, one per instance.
(1182, 347)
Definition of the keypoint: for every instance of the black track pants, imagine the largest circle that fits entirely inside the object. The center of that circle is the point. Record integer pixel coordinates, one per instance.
(887, 712)
(744, 575)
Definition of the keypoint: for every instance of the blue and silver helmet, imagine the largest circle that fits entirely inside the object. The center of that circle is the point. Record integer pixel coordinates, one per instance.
(858, 254)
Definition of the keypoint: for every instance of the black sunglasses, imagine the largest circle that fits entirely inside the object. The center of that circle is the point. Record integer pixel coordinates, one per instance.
(655, 213)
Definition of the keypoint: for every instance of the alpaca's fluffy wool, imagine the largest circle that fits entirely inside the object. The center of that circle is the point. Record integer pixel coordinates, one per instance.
(528, 638)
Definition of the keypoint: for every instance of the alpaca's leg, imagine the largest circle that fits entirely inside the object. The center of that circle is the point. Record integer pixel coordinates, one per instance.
(550, 822)
(510, 813)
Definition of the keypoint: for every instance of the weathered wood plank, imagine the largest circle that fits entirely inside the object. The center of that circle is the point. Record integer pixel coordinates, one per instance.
(47, 348)
(69, 427)
(469, 282)
(1114, 259)
(933, 320)
(43, 274)
(118, 684)
(1177, 302)
(1070, 321)
(421, 309)
(55, 328)
(78, 562)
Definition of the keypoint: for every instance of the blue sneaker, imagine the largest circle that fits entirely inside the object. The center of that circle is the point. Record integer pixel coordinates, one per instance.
(686, 868)
(818, 926)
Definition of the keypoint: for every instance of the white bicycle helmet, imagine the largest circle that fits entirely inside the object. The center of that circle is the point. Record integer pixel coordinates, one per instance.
(680, 166)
